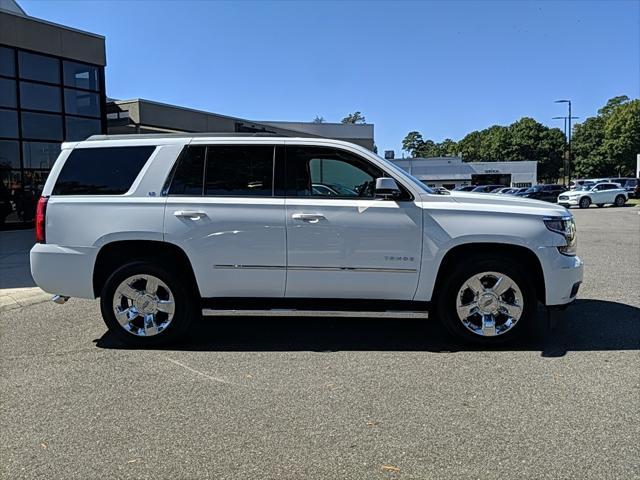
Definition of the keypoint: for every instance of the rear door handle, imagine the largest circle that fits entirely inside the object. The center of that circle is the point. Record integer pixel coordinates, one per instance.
(192, 214)
(308, 217)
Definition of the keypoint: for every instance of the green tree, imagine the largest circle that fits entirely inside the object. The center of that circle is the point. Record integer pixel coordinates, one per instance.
(412, 143)
(355, 117)
(318, 119)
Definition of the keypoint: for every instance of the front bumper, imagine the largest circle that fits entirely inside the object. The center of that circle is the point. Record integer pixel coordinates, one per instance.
(562, 276)
(569, 201)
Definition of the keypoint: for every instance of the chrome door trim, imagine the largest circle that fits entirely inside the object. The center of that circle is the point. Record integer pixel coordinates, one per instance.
(210, 312)
(323, 269)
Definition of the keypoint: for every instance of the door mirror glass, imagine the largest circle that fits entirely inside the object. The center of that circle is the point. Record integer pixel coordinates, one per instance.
(387, 187)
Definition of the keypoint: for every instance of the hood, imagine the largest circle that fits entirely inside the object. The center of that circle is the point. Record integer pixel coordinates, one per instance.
(501, 203)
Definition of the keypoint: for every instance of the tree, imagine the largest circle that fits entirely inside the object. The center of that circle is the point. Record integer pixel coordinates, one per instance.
(318, 119)
(412, 143)
(355, 117)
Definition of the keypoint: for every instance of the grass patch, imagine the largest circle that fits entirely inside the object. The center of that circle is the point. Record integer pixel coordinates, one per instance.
(633, 201)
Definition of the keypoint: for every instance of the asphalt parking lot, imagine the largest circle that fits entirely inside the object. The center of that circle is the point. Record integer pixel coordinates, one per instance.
(307, 398)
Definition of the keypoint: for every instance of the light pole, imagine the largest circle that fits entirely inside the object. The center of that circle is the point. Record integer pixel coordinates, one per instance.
(568, 138)
(564, 163)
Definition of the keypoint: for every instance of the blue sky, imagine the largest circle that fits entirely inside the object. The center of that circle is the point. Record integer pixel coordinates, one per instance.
(442, 68)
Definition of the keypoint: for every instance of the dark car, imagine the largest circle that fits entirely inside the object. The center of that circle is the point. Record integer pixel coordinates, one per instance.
(464, 188)
(486, 188)
(548, 193)
(632, 186)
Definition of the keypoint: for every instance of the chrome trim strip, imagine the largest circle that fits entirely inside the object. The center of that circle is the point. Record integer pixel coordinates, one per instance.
(210, 312)
(322, 269)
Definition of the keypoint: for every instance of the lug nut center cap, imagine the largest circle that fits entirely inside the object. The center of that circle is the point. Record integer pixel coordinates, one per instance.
(488, 303)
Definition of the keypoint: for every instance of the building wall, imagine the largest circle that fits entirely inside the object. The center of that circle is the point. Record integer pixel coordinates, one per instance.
(47, 96)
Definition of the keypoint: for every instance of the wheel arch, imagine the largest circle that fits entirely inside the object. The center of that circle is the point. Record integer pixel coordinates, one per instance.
(517, 253)
(117, 253)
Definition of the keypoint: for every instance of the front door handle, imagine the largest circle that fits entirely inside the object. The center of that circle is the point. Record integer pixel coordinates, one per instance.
(192, 214)
(308, 217)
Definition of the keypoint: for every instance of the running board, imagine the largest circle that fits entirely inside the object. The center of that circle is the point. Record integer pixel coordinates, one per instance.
(282, 312)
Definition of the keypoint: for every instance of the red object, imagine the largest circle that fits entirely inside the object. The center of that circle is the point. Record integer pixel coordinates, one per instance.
(41, 220)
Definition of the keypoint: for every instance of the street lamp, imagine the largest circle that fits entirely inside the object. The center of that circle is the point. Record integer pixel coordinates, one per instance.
(568, 138)
(565, 137)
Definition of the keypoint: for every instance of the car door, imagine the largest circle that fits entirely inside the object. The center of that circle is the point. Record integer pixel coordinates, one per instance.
(353, 245)
(598, 194)
(222, 210)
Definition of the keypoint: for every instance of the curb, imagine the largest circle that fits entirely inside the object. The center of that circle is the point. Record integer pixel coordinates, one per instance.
(13, 298)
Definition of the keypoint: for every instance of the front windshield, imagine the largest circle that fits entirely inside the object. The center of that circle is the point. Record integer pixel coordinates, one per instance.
(584, 187)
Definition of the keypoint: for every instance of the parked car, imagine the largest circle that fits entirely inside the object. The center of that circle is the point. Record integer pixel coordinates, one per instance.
(547, 193)
(632, 186)
(464, 188)
(486, 188)
(502, 190)
(516, 191)
(165, 228)
(600, 194)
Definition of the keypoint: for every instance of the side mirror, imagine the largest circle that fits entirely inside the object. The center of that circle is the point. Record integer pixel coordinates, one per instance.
(386, 187)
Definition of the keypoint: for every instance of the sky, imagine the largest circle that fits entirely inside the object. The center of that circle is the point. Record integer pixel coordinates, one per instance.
(441, 68)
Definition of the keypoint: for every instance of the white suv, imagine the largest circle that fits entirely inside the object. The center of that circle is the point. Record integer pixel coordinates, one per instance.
(600, 194)
(165, 228)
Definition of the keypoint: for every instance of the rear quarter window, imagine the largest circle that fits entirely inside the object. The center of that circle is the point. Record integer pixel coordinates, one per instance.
(101, 171)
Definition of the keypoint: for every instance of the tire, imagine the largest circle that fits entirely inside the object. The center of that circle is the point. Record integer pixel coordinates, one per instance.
(139, 325)
(585, 202)
(600, 205)
(452, 290)
(620, 201)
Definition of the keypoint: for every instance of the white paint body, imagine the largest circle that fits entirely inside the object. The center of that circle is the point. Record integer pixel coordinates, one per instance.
(292, 247)
(602, 193)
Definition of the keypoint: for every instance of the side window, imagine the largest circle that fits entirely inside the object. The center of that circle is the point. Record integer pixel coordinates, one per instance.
(329, 173)
(239, 170)
(188, 177)
(101, 171)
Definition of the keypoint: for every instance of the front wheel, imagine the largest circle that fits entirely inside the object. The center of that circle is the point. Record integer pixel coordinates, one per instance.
(145, 304)
(487, 300)
(620, 201)
(585, 202)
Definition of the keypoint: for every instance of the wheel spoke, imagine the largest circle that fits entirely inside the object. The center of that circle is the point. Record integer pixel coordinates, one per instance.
(124, 316)
(128, 291)
(475, 285)
(166, 306)
(512, 310)
(150, 327)
(152, 285)
(502, 285)
(467, 310)
(488, 325)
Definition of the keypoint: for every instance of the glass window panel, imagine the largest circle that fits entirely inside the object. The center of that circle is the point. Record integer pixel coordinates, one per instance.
(101, 171)
(80, 75)
(11, 193)
(7, 93)
(81, 128)
(38, 67)
(188, 178)
(39, 97)
(78, 102)
(39, 154)
(239, 170)
(9, 154)
(7, 62)
(9, 123)
(41, 126)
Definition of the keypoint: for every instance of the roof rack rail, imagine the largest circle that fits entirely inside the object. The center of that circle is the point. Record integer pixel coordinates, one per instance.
(187, 134)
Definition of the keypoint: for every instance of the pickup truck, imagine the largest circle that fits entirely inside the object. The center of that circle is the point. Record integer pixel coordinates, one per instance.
(165, 228)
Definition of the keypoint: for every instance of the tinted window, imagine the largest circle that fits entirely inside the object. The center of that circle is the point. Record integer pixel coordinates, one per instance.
(188, 177)
(101, 171)
(81, 128)
(9, 154)
(7, 62)
(41, 126)
(39, 97)
(7, 93)
(39, 154)
(39, 67)
(8, 123)
(327, 172)
(78, 102)
(80, 75)
(239, 170)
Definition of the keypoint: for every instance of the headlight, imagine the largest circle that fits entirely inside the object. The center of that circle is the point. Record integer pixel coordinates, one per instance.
(566, 227)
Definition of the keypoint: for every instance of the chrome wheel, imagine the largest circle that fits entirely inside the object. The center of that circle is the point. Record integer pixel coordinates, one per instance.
(489, 304)
(143, 305)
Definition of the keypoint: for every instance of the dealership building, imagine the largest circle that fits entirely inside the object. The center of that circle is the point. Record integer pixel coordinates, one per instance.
(451, 172)
(52, 89)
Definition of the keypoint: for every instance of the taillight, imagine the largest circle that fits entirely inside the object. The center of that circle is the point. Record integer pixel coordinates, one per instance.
(41, 218)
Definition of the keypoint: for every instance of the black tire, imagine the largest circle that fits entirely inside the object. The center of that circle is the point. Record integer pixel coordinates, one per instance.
(448, 291)
(620, 201)
(185, 303)
(585, 202)
(600, 205)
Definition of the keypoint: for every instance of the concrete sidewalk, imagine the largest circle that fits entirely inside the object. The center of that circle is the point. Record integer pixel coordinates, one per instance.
(17, 288)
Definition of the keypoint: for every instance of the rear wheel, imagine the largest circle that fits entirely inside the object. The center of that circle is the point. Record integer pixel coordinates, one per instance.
(620, 201)
(487, 300)
(145, 304)
(585, 202)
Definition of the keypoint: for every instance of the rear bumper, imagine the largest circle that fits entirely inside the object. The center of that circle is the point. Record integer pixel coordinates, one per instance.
(562, 276)
(64, 271)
